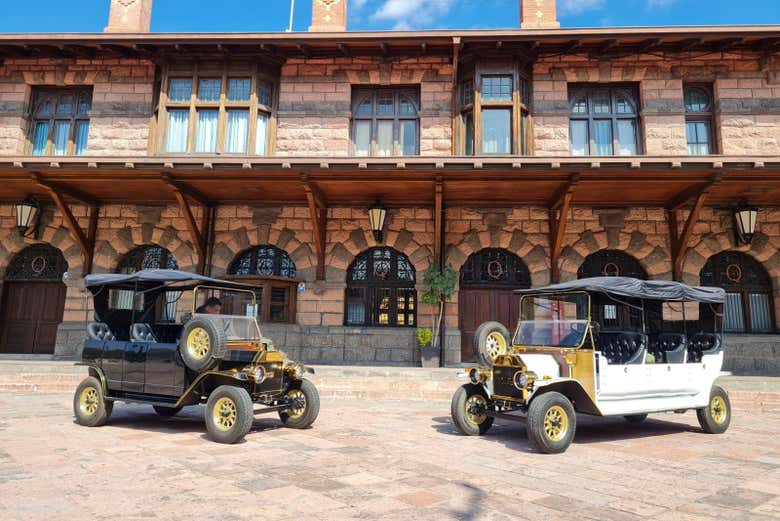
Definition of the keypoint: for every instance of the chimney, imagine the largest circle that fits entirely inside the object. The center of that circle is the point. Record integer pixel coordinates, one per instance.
(129, 16)
(328, 16)
(538, 14)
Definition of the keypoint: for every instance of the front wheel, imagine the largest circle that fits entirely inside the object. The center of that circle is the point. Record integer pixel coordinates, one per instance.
(229, 414)
(716, 417)
(304, 405)
(89, 406)
(551, 423)
(469, 410)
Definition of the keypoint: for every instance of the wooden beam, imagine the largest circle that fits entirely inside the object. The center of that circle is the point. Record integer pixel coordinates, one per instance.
(195, 233)
(94, 212)
(454, 97)
(72, 193)
(438, 222)
(559, 214)
(186, 190)
(319, 217)
(689, 193)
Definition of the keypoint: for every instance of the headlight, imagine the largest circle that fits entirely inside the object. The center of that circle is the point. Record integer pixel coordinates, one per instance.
(474, 376)
(520, 380)
(259, 374)
(295, 370)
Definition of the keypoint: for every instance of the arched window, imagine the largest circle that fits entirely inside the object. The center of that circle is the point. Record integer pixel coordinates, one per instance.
(380, 290)
(495, 267)
(272, 270)
(748, 288)
(604, 120)
(385, 122)
(151, 257)
(37, 262)
(611, 263)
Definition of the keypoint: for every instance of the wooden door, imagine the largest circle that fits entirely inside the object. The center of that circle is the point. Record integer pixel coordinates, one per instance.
(29, 316)
(480, 305)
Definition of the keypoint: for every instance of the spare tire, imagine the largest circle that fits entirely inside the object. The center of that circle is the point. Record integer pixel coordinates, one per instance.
(202, 343)
(491, 339)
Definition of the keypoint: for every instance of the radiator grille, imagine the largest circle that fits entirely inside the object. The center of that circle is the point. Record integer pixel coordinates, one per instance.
(502, 382)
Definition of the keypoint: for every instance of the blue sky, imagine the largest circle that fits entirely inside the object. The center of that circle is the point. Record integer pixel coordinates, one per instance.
(272, 15)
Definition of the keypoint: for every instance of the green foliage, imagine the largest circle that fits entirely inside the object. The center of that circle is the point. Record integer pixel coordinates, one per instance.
(439, 285)
(424, 336)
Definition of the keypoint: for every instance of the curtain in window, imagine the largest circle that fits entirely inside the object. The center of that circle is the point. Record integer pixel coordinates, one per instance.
(697, 133)
(362, 138)
(384, 138)
(178, 130)
(760, 318)
(206, 134)
(408, 138)
(262, 134)
(579, 138)
(734, 320)
(40, 138)
(237, 131)
(469, 123)
(496, 131)
(602, 136)
(61, 136)
(171, 300)
(80, 140)
(626, 130)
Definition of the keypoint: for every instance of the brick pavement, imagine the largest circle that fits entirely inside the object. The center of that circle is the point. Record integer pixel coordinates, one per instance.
(377, 460)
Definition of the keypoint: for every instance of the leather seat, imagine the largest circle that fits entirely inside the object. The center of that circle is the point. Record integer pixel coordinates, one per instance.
(668, 348)
(622, 347)
(100, 331)
(703, 344)
(142, 333)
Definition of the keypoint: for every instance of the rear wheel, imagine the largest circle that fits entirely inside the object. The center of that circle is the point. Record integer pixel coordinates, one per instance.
(491, 340)
(551, 423)
(469, 410)
(716, 417)
(166, 411)
(89, 406)
(229, 414)
(635, 418)
(304, 405)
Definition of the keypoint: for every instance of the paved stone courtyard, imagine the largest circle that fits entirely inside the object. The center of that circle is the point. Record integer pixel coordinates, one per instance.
(377, 460)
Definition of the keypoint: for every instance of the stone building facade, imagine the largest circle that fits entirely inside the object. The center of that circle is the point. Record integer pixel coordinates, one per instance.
(313, 121)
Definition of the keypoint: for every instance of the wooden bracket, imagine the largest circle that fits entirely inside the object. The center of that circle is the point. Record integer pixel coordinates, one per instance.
(559, 213)
(438, 222)
(318, 209)
(85, 241)
(679, 240)
(197, 233)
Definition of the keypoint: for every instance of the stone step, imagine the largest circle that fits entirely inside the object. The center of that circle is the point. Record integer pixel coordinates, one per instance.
(757, 394)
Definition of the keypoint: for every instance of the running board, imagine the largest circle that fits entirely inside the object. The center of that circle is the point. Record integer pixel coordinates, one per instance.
(506, 416)
(261, 410)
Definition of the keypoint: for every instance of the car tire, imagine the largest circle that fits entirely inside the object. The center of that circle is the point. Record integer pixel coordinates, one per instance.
(551, 423)
(229, 414)
(167, 412)
(89, 405)
(202, 344)
(716, 417)
(465, 410)
(635, 418)
(491, 339)
(301, 417)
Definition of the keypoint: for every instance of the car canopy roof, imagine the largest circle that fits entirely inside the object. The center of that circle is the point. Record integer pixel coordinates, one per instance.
(148, 279)
(663, 290)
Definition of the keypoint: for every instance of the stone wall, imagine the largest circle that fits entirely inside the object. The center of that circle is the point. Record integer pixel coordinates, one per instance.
(747, 99)
(122, 101)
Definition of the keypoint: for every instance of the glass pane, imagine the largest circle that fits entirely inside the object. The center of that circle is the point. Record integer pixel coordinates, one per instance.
(734, 319)
(209, 89)
(261, 134)
(46, 109)
(362, 138)
(467, 93)
(623, 105)
(626, 129)
(698, 137)
(81, 137)
(85, 105)
(180, 89)
(65, 105)
(384, 138)
(365, 108)
(382, 306)
(760, 317)
(580, 106)
(407, 107)
(385, 105)
(408, 138)
(264, 94)
(356, 308)
(696, 99)
(602, 136)
(40, 138)
(497, 88)
(601, 102)
(238, 89)
(237, 131)
(525, 92)
(496, 131)
(579, 138)
(468, 121)
(178, 130)
(206, 133)
(61, 137)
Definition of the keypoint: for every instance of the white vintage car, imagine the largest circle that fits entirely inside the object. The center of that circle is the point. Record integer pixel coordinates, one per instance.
(605, 346)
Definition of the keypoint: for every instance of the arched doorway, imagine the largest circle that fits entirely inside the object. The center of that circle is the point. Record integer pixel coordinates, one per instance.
(611, 263)
(488, 279)
(273, 271)
(748, 288)
(148, 257)
(33, 301)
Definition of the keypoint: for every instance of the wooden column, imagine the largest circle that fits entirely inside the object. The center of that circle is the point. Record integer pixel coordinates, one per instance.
(679, 240)
(318, 210)
(559, 214)
(438, 223)
(198, 235)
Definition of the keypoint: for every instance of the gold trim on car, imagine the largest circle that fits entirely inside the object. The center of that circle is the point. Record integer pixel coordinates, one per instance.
(198, 343)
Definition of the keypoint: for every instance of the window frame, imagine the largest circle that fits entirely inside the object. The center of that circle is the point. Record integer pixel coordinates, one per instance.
(39, 94)
(706, 116)
(589, 90)
(258, 75)
(359, 93)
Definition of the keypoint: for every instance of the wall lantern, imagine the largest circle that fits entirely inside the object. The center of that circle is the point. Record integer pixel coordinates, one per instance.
(27, 213)
(377, 214)
(745, 217)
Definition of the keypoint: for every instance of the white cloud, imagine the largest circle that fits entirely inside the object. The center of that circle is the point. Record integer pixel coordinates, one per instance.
(574, 7)
(659, 3)
(407, 14)
(357, 4)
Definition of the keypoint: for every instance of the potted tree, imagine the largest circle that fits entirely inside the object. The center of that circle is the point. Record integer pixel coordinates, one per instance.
(439, 286)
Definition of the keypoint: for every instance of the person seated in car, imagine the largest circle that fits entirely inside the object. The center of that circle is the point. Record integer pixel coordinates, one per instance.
(212, 306)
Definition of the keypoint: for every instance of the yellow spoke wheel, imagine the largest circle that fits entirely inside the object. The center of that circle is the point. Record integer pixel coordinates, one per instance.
(298, 403)
(225, 414)
(89, 400)
(198, 343)
(495, 345)
(556, 423)
(718, 409)
(476, 405)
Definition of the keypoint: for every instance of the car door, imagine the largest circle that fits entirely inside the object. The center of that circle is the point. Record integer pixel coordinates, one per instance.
(165, 373)
(134, 366)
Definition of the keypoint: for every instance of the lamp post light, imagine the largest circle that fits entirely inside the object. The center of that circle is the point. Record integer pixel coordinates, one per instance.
(27, 213)
(745, 217)
(376, 215)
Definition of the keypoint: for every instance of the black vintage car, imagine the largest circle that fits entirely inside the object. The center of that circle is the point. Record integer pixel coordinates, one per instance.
(143, 348)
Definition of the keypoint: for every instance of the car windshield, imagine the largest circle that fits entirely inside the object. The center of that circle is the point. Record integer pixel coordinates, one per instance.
(236, 327)
(552, 320)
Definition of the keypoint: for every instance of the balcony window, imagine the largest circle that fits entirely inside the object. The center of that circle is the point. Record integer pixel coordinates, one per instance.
(698, 120)
(60, 122)
(603, 121)
(385, 122)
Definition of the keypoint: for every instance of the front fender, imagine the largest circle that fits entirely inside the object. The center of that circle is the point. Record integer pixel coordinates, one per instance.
(206, 382)
(571, 389)
(98, 373)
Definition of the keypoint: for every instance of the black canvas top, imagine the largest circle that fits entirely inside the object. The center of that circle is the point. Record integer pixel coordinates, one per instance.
(150, 278)
(664, 290)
